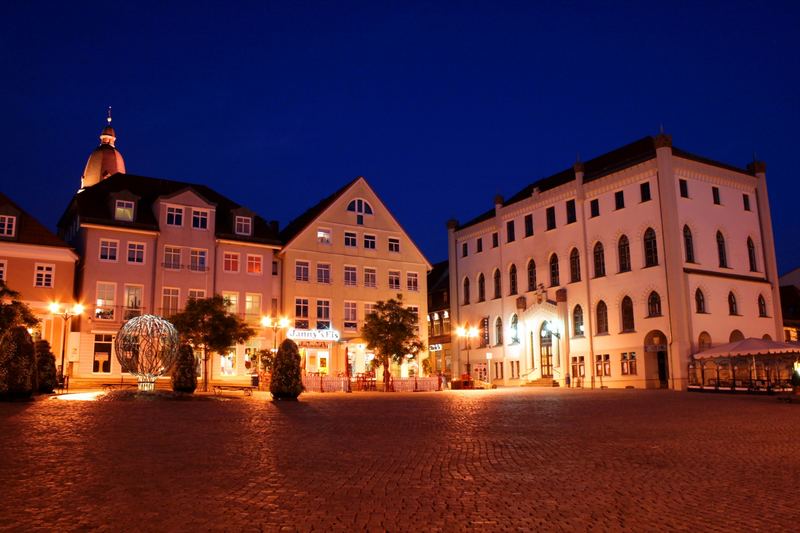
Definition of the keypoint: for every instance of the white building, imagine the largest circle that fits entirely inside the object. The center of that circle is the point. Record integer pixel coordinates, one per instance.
(635, 260)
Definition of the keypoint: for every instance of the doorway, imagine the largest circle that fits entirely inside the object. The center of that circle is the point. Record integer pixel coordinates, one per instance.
(546, 351)
(663, 369)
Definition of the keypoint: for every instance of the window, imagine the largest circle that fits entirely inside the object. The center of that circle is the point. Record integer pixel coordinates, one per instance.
(554, 281)
(644, 191)
(684, 187)
(369, 242)
(602, 318)
(531, 275)
(370, 277)
(484, 332)
(350, 276)
(732, 307)
(650, 248)
(350, 315)
(619, 200)
(495, 240)
(323, 314)
(715, 195)
(602, 365)
(571, 217)
(324, 272)
(528, 225)
(594, 208)
(510, 231)
(123, 210)
(172, 257)
(624, 253)
(274, 268)
(133, 301)
(746, 201)
(197, 260)
(199, 219)
(699, 301)
(574, 266)
(688, 244)
(105, 296)
(255, 264)
(301, 313)
(230, 262)
(360, 208)
(498, 284)
(478, 245)
(108, 250)
(723, 257)
(464, 249)
(2, 270)
(627, 315)
(196, 294)
(136, 252)
(481, 287)
(599, 260)
(369, 308)
(174, 216)
(628, 360)
(512, 280)
(301, 269)
(252, 306)
(653, 304)
(466, 291)
(578, 367)
(514, 369)
(514, 329)
(350, 239)
(762, 306)
(394, 279)
(231, 301)
(577, 321)
(102, 353)
(8, 225)
(44, 276)
(394, 245)
(227, 362)
(243, 226)
(324, 236)
(703, 341)
(751, 255)
(551, 218)
(498, 331)
(412, 281)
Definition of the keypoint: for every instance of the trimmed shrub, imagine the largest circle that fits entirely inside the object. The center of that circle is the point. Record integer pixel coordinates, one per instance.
(184, 373)
(286, 382)
(45, 367)
(17, 364)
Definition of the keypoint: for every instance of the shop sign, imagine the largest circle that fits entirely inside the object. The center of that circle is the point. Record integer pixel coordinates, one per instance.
(327, 335)
(655, 347)
(435, 348)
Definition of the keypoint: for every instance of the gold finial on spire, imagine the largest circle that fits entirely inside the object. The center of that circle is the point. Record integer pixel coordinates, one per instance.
(108, 119)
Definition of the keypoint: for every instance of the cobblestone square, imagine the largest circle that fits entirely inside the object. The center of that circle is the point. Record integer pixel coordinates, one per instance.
(502, 460)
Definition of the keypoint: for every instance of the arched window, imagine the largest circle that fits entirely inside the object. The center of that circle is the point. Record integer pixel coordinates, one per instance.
(751, 255)
(599, 260)
(512, 280)
(554, 281)
(498, 284)
(699, 301)
(577, 321)
(359, 206)
(688, 244)
(723, 257)
(602, 317)
(703, 342)
(736, 335)
(650, 248)
(627, 314)
(466, 291)
(514, 329)
(481, 287)
(654, 304)
(531, 275)
(762, 306)
(574, 265)
(498, 331)
(624, 253)
(732, 308)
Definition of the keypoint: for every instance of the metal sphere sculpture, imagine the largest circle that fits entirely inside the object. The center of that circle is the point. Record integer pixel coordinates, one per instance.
(147, 347)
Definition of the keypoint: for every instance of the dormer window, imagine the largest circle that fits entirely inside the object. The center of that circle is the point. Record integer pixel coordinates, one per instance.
(174, 216)
(124, 211)
(8, 226)
(244, 226)
(360, 208)
(199, 219)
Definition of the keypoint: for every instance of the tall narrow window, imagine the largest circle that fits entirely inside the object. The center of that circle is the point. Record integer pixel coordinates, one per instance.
(528, 225)
(599, 260)
(715, 195)
(510, 231)
(602, 318)
(574, 266)
(650, 248)
(594, 208)
(577, 321)
(551, 218)
(498, 331)
(699, 301)
(733, 309)
(619, 199)
(554, 281)
(723, 256)
(512, 280)
(495, 240)
(684, 187)
(514, 329)
(751, 255)
(644, 190)
(466, 291)
(481, 287)
(498, 284)
(571, 211)
(531, 275)
(746, 202)
(762, 306)
(624, 253)
(627, 315)
(688, 244)
(478, 245)
(464, 250)
(654, 304)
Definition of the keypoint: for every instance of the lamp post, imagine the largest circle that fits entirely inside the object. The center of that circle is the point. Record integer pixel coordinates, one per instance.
(66, 315)
(275, 324)
(467, 333)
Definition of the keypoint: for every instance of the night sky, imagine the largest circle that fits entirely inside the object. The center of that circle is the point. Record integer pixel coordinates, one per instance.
(439, 105)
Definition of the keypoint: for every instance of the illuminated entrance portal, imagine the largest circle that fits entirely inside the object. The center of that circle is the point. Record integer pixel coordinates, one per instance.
(546, 351)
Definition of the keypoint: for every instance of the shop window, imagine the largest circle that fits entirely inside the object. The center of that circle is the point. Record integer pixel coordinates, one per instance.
(102, 353)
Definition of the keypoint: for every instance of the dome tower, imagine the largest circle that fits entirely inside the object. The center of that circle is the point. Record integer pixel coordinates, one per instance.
(104, 160)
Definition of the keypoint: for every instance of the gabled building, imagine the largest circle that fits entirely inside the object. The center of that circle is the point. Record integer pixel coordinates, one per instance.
(338, 259)
(439, 332)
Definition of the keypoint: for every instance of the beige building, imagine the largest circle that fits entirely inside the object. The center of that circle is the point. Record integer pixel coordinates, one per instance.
(38, 265)
(338, 259)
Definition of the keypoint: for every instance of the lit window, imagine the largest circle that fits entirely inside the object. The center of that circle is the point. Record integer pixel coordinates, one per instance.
(227, 362)
(102, 353)
(244, 226)
(301, 313)
(301, 269)
(196, 294)
(629, 363)
(231, 301)
(324, 236)
(123, 210)
(252, 306)
(230, 262)
(394, 245)
(369, 242)
(105, 295)
(370, 277)
(369, 308)
(199, 219)
(136, 252)
(412, 281)
(350, 239)
(108, 250)
(174, 216)
(254, 264)
(169, 301)
(323, 314)
(8, 225)
(394, 279)
(2, 270)
(350, 276)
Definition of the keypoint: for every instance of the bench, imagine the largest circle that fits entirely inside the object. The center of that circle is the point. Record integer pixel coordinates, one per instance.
(246, 389)
(119, 386)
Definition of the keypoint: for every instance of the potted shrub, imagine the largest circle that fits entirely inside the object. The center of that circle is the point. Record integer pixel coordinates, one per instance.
(184, 374)
(286, 382)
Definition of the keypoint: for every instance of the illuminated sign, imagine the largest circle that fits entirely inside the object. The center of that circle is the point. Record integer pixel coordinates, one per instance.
(435, 347)
(327, 335)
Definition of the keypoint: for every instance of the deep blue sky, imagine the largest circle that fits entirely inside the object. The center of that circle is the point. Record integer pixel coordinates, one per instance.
(440, 105)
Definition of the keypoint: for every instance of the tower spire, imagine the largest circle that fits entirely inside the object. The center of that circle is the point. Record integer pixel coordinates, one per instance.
(108, 118)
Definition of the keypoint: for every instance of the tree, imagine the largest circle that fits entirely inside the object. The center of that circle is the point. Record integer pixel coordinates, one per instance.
(13, 312)
(184, 373)
(206, 323)
(17, 364)
(45, 367)
(391, 332)
(286, 382)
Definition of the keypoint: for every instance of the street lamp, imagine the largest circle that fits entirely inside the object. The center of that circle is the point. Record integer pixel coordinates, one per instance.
(467, 333)
(66, 315)
(275, 324)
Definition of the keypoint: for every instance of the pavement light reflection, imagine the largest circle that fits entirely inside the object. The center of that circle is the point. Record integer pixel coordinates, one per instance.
(80, 396)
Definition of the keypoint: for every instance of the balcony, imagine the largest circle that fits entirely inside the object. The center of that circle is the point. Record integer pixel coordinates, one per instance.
(172, 265)
(197, 268)
(116, 313)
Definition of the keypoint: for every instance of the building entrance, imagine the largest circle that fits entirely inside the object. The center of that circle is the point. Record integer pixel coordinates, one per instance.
(663, 369)
(546, 351)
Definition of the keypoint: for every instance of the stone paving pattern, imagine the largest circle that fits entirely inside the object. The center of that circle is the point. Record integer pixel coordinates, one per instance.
(502, 460)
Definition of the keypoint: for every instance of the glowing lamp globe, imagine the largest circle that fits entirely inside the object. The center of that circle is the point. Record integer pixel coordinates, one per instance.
(147, 347)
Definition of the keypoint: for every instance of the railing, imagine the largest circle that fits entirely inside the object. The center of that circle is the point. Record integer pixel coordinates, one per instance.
(131, 312)
(116, 313)
(198, 268)
(105, 312)
(318, 383)
(314, 382)
(171, 265)
(415, 384)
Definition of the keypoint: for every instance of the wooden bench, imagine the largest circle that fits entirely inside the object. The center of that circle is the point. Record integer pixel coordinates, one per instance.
(246, 389)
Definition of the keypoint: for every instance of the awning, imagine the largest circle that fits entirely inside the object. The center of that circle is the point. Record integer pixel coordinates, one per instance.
(749, 347)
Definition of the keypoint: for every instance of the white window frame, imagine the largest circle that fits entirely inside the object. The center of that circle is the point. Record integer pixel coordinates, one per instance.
(196, 267)
(249, 314)
(174, 211)
(231, 255)
(200, 215)
(394, 242)
(350, 323)
(322, 267)
(128, 253)
(350, 236)
(246, 225)
(196, 294)
(113, 301)
(51, 272)
(391, 275)
(374, 272)
(125, 205)
(350, 269)
(8, 221)
(177, 296)
(373, 239)
(233, 297)
(171, 265)
(324, 236)
(115, 247)
(307, 265)
(260, 262)
(3, 267)
(415, 277)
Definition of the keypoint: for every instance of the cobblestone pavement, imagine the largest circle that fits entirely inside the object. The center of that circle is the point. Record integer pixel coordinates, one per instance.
(503, 460)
